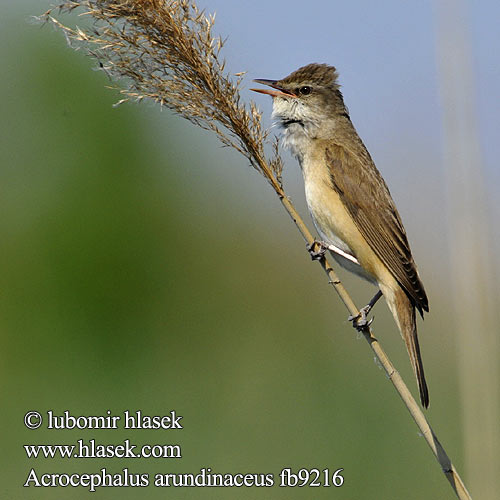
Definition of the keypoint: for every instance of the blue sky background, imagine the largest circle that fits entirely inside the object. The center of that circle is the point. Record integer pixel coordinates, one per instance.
(385, 53)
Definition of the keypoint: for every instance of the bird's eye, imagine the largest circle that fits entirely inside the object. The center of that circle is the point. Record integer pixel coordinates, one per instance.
(305, 90)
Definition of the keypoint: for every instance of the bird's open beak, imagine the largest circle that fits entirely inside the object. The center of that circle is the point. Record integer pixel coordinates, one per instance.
(277, 92)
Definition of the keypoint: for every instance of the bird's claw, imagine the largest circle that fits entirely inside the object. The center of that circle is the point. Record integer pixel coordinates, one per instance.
(317, 249)
(361, 321)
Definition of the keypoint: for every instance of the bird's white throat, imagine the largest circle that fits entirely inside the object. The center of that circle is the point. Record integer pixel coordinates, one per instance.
(299, 123)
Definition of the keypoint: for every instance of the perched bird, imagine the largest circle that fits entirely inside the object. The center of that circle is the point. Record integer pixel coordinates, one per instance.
(347, 197)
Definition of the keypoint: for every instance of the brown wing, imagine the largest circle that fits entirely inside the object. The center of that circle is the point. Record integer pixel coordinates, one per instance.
(367, 199)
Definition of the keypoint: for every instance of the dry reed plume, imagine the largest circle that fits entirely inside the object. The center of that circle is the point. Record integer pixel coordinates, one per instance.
(164, 50)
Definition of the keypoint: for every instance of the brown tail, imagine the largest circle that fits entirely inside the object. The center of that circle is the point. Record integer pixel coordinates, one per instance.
(404, 313)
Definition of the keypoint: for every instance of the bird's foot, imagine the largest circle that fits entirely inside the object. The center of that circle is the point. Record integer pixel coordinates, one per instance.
(361, 321)
(317, 249)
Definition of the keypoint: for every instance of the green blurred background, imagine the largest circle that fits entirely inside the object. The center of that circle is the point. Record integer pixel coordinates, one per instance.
(144, 267)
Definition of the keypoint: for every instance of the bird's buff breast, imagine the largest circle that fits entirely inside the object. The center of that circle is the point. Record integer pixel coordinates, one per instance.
(327, 211)
(333, 222)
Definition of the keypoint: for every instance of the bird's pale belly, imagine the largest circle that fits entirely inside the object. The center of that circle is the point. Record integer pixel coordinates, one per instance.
(335, 226)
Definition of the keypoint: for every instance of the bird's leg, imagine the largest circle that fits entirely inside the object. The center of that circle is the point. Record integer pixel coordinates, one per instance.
(360, 321)
(317, 249)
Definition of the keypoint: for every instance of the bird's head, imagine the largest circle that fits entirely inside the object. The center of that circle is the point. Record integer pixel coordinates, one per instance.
(307, 98)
